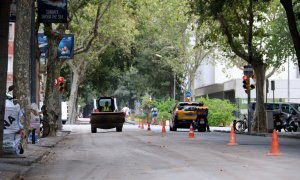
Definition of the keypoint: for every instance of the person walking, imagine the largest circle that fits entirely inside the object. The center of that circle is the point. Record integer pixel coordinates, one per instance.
(126, 110)
(154, 112)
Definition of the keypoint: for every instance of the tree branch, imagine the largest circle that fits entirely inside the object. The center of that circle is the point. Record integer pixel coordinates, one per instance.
(232, 44)
(94, 30)
(288, 6)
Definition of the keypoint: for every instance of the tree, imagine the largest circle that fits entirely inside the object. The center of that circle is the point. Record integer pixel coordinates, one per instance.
(242, 26)
(112, 27)
(4, 24)
(22, 56)
(292, 22)
(81, 62)
(160, 46)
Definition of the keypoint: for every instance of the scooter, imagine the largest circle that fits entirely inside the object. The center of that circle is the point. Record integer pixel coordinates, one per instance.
(291, 124)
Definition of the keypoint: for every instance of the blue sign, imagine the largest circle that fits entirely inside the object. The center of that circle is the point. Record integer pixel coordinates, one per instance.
(52, 11)
(66, 47)
(188, 94)
(43, 45)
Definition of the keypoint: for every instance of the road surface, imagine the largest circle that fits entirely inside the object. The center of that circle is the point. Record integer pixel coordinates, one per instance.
(141, 154)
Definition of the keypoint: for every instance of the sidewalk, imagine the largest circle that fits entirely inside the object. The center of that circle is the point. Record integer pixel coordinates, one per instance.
(281, 134)
(11, 166)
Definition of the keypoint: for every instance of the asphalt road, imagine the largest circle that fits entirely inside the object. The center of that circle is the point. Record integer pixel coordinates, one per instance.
(141, 154)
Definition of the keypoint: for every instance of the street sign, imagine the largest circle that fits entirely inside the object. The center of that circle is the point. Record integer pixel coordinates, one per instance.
(188, 94)
(248, 70)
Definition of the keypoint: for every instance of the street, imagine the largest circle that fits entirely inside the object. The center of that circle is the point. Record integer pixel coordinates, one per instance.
(141, 154)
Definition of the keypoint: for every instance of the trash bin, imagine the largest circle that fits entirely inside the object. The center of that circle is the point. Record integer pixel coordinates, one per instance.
(270, 121)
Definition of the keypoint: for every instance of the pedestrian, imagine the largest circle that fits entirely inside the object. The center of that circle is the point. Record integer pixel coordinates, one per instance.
(204, 114)
(154, 112)
(126, 111)
(34, 119)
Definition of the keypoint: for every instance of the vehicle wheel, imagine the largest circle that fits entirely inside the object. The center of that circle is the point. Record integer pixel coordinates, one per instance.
(174, 128)
(202, 129)
(119, 129)
(94, 129)
(240, 126)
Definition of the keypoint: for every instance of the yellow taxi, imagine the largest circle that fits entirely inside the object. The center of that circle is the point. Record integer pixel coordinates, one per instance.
(183, 114)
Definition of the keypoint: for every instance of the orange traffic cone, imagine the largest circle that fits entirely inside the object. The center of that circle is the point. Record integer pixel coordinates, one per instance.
(232, 139)
(149, 129)
(163, 129)
(274, 151)
(142, 124)
(191, 133)
(139, 124)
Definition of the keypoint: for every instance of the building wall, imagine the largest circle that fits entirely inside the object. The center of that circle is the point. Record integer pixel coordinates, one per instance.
(215, 79)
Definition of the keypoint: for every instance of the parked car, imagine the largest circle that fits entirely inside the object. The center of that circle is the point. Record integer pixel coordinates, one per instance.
(183, 115)
(283, 108)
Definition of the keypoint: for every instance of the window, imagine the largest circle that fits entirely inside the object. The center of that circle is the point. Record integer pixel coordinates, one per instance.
(285, 108)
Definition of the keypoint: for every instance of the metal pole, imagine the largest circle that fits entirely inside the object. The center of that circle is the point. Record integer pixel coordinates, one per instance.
(33, 63)
(289, 80)
(174, 88)
(249, 116)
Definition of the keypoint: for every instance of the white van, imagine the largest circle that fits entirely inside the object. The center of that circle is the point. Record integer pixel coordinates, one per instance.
(64, 112)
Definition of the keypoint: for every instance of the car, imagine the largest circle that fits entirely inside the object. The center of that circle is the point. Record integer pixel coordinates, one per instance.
(183, 115)
(284, 108)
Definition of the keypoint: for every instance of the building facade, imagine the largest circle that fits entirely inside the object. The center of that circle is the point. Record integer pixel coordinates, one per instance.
(219, 81)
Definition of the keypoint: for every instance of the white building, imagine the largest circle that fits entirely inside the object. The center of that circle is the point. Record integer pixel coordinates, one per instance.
(218, 81)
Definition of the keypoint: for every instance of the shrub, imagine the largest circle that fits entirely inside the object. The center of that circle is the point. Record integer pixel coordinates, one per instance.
(220, 111)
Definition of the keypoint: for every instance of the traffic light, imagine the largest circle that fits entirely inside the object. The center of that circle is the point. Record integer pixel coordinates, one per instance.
(61, 84)
(246, 84)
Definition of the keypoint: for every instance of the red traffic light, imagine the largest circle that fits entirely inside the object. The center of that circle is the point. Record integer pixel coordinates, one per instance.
(60, 79)
(60, 84)
(245, 78)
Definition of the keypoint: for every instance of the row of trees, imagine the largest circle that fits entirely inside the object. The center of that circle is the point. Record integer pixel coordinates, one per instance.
(254, 31)
(129, 48)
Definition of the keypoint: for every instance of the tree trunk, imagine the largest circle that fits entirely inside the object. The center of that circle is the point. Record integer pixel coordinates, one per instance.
(52, 95)
(78, 70)
(22, 56)
(288, 6)
(4, 24)
(259, 122)
(73, 97)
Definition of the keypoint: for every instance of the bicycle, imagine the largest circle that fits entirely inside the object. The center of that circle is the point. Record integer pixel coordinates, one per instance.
(241, 125)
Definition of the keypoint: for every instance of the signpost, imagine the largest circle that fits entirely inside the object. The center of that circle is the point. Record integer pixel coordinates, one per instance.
(188, 94)
(248, 71)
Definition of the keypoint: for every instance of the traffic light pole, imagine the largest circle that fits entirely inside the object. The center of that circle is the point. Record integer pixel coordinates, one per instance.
(249, 116)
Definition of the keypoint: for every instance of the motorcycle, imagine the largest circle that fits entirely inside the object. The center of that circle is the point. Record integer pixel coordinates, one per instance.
(278, 122)
(291, 123)
(288, 124)
(201, 122)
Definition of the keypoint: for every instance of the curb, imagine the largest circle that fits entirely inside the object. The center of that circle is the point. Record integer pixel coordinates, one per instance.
(296, 136)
